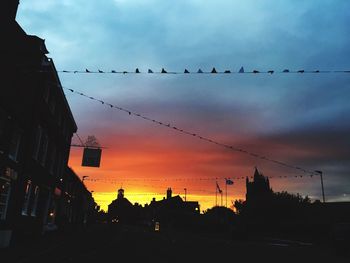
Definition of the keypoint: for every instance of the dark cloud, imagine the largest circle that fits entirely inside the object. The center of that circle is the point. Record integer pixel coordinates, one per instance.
(301, 119)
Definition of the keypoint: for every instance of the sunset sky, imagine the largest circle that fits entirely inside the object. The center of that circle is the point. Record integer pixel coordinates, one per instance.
(301, 119)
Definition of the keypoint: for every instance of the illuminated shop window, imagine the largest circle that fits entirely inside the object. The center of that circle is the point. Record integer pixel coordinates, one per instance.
(35, 201)
(27, 194)
(5, 190)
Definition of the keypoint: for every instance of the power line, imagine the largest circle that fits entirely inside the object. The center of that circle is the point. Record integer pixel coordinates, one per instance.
(170, 126)
(81, 141)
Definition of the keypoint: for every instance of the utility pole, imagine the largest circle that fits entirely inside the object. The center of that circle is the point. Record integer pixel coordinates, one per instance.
(321, 175)
(185, 193)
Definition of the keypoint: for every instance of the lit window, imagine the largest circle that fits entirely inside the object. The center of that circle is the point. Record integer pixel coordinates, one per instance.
(14, 145)
(5, 190)
(35, 201)
(157, 227)
(27, 194)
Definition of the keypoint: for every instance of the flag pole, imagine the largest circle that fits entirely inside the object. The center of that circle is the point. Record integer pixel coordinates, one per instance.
(226, 191)
(221, 199)
(216, 194)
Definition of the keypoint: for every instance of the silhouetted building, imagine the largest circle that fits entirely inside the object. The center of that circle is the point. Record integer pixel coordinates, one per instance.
(121, 209)
(259, 189)
(172, 210)
(169, 193)
(36, 127)
(8, 10)
(76, 205)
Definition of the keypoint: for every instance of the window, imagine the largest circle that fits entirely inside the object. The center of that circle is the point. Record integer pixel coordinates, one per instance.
(27, 194)
(35, 201)
(5, 190)
(14, 145)
(11, 174)
(40, 146)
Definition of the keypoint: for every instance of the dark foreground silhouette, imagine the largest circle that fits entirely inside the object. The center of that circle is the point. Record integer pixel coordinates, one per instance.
(117, 242)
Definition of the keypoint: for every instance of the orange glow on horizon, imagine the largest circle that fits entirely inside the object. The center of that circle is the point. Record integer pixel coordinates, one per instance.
(146, 167)
(205, 201)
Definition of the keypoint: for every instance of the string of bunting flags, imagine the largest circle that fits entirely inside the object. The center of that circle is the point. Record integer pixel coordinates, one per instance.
(195, 135)
(200, 71)
(228, 181)
(214, 71)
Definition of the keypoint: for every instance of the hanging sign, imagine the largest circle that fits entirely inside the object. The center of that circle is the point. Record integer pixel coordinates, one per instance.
(92, 157)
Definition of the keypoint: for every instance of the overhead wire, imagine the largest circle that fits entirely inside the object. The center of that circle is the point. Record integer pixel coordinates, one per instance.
(192, 134)
(81, 141)
(141, 180)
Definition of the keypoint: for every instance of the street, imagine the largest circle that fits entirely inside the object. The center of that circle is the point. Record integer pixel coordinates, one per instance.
(103, 243)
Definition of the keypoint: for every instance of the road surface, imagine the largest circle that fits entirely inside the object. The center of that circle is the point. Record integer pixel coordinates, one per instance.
(104, 243)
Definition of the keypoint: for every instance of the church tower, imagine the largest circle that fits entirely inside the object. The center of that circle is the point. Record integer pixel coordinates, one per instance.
(120, 193)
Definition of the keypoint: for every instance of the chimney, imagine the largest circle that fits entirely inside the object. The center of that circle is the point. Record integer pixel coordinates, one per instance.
(168, 193)
(9, 9)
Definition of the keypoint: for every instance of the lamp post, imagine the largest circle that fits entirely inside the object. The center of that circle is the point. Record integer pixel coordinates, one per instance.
(321, 175)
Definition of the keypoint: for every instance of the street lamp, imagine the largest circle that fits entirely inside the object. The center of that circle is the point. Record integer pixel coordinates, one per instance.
(84, 178)
(321, 175)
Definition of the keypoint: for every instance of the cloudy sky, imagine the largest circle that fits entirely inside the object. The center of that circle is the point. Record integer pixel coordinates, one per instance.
(301, 119)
